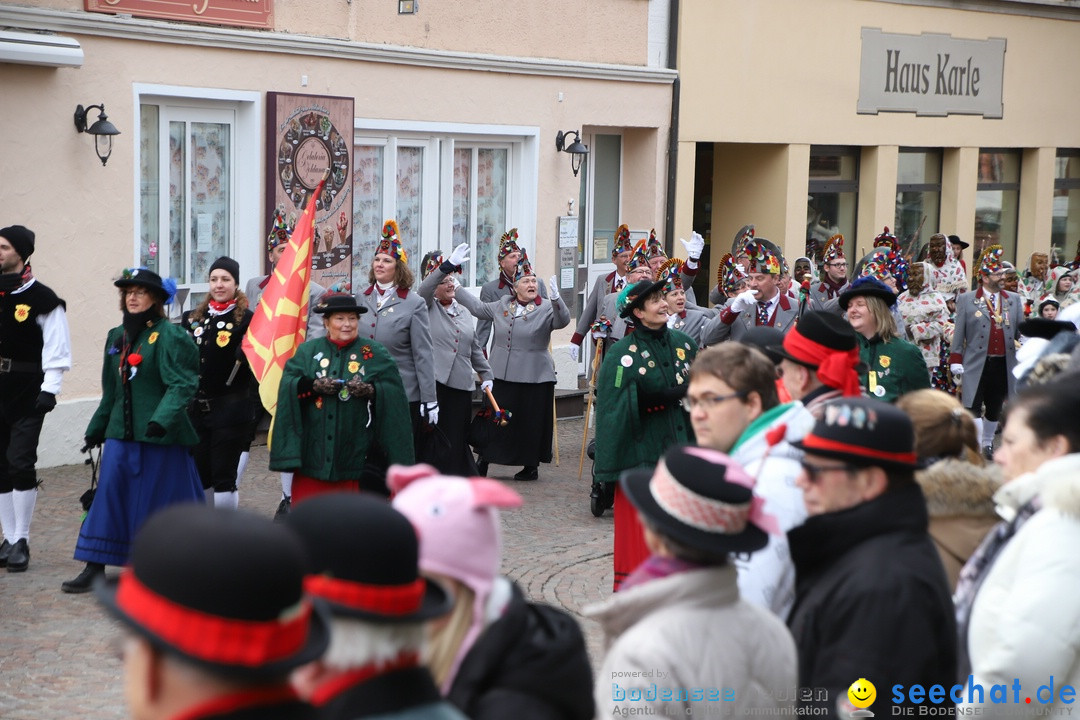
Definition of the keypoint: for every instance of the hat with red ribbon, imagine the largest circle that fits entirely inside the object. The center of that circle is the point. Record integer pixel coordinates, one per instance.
(365, 558)
(863, 431)
(826, 342)
(233, 600)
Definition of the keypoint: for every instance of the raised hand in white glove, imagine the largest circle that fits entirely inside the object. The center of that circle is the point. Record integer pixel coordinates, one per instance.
(956, 369)
(460, 254)
(575, 352)
(694, 246)
(553, 287)
(430, 411)
(743, 301)
(486, 385)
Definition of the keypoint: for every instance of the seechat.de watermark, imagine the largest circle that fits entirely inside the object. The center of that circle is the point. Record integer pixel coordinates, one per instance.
(969, 698)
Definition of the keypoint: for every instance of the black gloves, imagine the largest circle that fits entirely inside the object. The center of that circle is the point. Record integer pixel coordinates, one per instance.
(46, 401)
(92, 441)
(326, 385)
(358, 388)
(154, 430)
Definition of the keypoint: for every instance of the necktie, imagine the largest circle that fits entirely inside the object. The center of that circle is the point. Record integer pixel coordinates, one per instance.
(618, 284)
(763, 313)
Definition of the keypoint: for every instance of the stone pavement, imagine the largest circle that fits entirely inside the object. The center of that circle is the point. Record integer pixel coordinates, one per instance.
(59, 654)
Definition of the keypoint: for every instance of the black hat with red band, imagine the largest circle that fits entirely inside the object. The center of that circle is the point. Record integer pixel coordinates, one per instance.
(222, 590)
(365, 558)
(865, 432)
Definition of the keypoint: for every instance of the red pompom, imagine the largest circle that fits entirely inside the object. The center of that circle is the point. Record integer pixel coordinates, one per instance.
(134, 359)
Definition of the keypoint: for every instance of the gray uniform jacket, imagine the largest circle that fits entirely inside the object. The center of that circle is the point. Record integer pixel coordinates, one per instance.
(692, 321)
(519, 350)
(491, 291)
(819, 294)
(454, 342)
(401, 326)
(971, 339)
(735, 325)
(315, 327)
(592, 311)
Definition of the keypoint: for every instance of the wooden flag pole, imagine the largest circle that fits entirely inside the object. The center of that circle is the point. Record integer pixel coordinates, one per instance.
(588, 406)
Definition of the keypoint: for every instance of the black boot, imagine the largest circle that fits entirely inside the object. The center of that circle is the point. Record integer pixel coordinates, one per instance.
(5, 550)
(482, 467)
(283, 508)
(85, 580)
(529, 472)
(19, 557)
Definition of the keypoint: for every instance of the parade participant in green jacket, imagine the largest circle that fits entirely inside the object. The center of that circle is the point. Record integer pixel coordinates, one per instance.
(338, 395)
(893, 365)
(639, 412)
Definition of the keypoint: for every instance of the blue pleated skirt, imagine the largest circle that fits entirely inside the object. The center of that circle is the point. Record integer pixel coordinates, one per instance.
(136, 480)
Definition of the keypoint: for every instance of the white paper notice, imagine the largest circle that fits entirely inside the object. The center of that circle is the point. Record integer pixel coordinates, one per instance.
(567, 279)
(204, 232)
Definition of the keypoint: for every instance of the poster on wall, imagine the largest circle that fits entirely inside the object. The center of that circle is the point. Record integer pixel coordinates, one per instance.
(308, 135)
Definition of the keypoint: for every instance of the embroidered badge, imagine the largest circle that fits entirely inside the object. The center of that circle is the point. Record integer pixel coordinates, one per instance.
(632, 348)
(318, 403)
(223, 338)
(885, 361)
(354, 366)
(154, 336)
(366, 353)
(680, 353)
(22, 312)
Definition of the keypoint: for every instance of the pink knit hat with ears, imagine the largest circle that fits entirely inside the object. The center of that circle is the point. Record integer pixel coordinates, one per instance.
(457, 520)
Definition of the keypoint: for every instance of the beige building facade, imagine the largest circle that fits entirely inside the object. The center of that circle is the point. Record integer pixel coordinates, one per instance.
(811, 118)
(455, 111)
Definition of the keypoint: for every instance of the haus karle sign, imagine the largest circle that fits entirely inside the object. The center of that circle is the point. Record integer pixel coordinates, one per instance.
(930, 74)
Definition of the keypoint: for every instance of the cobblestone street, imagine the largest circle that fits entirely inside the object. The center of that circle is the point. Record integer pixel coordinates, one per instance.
(59, 656)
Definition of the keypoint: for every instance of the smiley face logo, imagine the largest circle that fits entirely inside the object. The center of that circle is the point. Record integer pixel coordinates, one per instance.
(862, 693)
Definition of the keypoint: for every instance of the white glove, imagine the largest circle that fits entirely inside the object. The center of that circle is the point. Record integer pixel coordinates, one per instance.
(486, 385)
(460, 254)
(553, 287)
(743, 301)
(431, 412)
(694, 246)
(956, 369)
(575, 352)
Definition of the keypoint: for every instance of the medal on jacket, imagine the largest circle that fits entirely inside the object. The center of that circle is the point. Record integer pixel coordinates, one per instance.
(343, 394)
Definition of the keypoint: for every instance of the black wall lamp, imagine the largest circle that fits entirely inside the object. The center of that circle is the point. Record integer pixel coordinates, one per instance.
(577, 150)
(102, 130)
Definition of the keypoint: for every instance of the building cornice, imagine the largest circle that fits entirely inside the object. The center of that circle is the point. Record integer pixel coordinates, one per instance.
(143, 30)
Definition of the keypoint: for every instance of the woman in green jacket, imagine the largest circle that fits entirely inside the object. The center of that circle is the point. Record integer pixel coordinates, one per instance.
(893, 366)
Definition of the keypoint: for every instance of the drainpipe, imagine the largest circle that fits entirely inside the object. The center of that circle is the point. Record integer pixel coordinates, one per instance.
(673, 135)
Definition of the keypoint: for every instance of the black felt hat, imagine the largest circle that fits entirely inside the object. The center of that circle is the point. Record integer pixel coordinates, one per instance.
(634, 296)
(21, 238)
(223, 590)
(869, 287)
(766, 339)
(142, 277)
(955, 239)
(338, 302)
(700, 498)
(1040, 327)
(365, 560)
(815, 337)
(863, 431)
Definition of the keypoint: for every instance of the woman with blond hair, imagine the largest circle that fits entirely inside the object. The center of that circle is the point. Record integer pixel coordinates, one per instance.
(958, 486)
(893, 365)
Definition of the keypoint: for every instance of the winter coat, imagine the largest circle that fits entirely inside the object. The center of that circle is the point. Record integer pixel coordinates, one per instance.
(691, 631)
(896, 365)
(638, 413)
(327, 438)
(767, 577)
(530, 664)
(1026, 614)
(960, 500)
(872, 600)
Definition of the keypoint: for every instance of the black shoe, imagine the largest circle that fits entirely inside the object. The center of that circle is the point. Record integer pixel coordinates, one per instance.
(529, 472)
(5, 550)
(988, 453)
(85, 579)
(283, 508)
(482, 467)
(19, 557)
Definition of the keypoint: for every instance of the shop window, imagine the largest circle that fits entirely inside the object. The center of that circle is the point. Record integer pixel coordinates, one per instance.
(1065, 230)
(997, 201)
(833, 197)
(918, 197)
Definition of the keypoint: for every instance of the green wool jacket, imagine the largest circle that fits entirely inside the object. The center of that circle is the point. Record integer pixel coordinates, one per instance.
(162, 386)
(897, 367)
(635, 424)
(327, 438)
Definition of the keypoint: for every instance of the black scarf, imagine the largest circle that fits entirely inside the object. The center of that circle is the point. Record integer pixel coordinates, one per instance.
(135, 322)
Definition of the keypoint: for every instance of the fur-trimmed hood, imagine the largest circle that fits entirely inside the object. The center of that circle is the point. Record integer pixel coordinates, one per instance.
(1056, 483)
(956, 487)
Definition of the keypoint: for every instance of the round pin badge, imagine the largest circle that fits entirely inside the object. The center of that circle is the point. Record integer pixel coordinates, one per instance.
(626, 361)
(879, 391)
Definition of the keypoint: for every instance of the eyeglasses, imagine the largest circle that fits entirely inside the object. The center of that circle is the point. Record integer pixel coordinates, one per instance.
(710, 401)
(814, 472)
(839, 263)
(136, 292)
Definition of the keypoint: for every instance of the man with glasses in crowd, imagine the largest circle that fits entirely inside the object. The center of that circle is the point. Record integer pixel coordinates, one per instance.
(734, 408)
(872, 600)
(825, 294)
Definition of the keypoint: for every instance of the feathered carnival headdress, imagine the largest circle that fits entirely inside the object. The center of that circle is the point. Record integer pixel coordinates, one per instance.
(729, 274)
(887, 240)
(761, 259)
(638, 258)
(671, 273)
(390, 244)
(524, 268)
(508, 243)
(433, 260)
(990, 260)
(280, 232)
(877, 268)
(834, 248)
(622, 240)
(653, 249)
